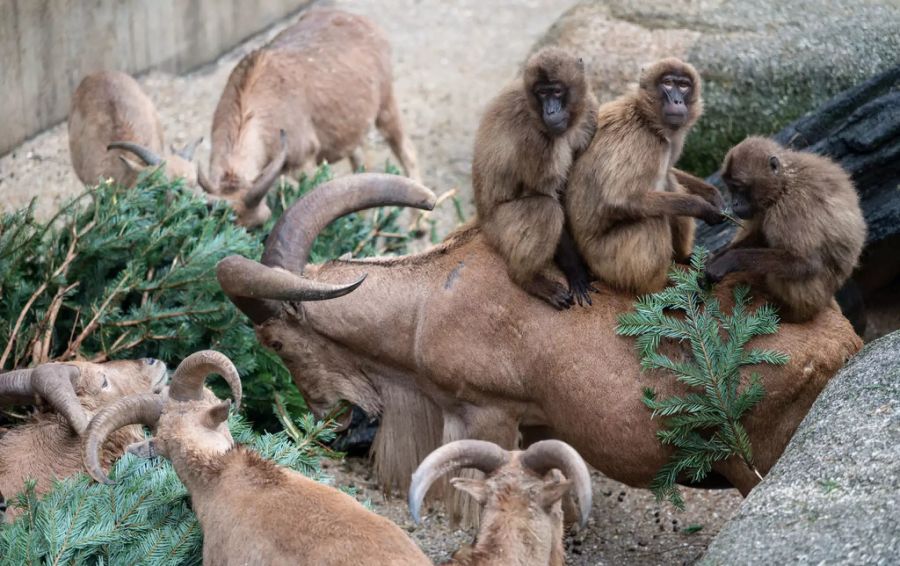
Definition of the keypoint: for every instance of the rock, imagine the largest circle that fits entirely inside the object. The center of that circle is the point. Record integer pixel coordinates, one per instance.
(834, 496)
(764, 63)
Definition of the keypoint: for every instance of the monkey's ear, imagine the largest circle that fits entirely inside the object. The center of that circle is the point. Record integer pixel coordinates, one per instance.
(775, 164)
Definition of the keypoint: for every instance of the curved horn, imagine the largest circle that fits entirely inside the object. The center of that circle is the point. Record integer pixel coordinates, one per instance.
(260, 187)
(134, 409)
(291, 240)
(187, 152)
(250, 284)
(55, 383)
(478, 454)
(147, 156)
(187, 383)
(15, 387)
(543, 456)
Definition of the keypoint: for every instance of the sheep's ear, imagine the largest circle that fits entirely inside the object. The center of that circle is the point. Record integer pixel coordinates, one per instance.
(553, 491)
(477, 488)
(218, 414)
(133, 165)
(145, 449)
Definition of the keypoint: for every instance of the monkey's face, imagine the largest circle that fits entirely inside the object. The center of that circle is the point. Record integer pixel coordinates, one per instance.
(675, 93)
(753, 174)
(552, 100)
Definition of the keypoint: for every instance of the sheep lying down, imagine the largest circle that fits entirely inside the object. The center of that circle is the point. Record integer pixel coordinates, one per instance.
(251, 510)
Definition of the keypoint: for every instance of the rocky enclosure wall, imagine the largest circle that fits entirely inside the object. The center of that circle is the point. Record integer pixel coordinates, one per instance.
(47, 46)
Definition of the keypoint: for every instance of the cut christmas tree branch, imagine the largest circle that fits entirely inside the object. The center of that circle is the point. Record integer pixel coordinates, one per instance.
(703, 425)
(130, 273)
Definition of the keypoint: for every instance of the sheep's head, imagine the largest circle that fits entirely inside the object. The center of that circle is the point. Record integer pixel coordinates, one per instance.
(247, 196)
(178, 163)
(74, 389)
(522, 484)
(190, 421)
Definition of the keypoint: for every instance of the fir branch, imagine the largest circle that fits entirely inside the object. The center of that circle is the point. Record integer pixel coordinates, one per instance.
(704, 425)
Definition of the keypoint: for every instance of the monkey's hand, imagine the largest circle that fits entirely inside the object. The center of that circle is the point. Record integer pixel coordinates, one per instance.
(714, 198)
(713, 215)
(717, 269)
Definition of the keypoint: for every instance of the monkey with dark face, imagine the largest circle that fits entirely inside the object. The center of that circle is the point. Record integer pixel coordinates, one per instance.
(803, 230)
(526, 143)
(630, 210)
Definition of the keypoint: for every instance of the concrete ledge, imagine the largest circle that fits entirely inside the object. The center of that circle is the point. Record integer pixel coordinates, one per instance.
(47, 46)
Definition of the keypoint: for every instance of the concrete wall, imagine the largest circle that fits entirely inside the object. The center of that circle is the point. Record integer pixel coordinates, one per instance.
(47, 46)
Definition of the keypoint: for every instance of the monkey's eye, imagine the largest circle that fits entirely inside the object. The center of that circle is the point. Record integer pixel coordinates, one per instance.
(105, 384)
(668, 83)
(684, 88)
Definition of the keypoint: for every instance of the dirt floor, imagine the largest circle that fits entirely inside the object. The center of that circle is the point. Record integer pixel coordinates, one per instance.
(450, 58)
(627, 526)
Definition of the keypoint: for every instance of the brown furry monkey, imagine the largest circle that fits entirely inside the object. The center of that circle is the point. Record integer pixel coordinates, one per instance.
(625, 197)
(525, 145)
(804, 229)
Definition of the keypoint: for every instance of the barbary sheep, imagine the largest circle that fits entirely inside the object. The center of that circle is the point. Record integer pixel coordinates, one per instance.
(443, 346)
(309, 95)
(47, 445)
(111, 120)
(522, 521)
(251, 510)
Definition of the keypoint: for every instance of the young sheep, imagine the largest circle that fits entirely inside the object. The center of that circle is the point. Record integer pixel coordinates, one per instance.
(251, 510)
(110, 119)
(309, 95)
(47, 446)
(522, 522)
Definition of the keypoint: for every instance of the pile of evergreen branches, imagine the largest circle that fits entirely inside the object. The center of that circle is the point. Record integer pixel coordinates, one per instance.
(145, 518)
(704, 426)
(128, 273)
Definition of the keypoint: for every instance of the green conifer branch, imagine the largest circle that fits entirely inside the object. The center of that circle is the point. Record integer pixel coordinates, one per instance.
(704, 425)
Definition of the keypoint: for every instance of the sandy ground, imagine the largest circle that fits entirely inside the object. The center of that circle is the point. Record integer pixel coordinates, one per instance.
(450, 58)
(627, 526)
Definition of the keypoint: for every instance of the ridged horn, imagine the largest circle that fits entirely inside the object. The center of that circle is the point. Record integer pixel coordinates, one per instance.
(54, 383)
(267, 177)
(543, 456)
(478, 454)
(134, 409)
(145, 154)
(204, 183)
(253, 286)
(190, 376)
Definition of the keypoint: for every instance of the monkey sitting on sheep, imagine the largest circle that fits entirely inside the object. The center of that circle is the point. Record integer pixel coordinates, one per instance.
(803, 230)
(522, 521)
(48, 444)
(111, 121)
(250, 510)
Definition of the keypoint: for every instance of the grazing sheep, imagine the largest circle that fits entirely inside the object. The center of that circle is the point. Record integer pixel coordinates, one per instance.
(110, 119)
(443, 346)
(522, 521)
(251, 510)
(309, 95)
(47, 445)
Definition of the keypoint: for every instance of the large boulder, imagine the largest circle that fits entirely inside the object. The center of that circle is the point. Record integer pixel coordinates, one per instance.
(764, 63)
(834, 496)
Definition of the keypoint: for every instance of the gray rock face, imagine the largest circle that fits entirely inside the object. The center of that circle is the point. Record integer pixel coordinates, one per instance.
(834, 496)
(764, 63)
